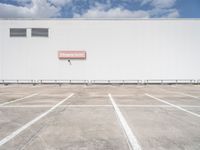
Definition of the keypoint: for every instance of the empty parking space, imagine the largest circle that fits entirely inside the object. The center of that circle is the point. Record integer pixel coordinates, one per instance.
(144, 117)
(191, 91)
(181, 100)
(10, 98)
(72, 128)
(41, 100)
(88, 100)
(178, 99)
(193, 109)
(13, 118)
(135, 100)
(164, 128)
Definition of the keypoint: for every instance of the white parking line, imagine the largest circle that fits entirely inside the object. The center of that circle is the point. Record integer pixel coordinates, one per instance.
(156, 106)
(189, 95)
(122, 95)
(18, 131)
(19, 99)
(42, 106)
(133, 143)
(88, 106)
(181, 93)
(178, 107)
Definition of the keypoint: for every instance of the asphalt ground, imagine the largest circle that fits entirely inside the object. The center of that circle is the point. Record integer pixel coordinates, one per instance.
(100, 117)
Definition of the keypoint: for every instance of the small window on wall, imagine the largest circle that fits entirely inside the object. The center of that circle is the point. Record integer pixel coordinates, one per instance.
(40, 32)
(17, 32)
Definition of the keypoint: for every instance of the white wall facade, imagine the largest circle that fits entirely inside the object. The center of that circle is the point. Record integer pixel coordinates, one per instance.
(116, 49)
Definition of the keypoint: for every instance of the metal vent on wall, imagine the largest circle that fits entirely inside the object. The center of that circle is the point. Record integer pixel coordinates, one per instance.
(39, 32)
(17, 32)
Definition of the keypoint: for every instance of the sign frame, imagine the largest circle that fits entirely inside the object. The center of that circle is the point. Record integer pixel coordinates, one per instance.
(72, 55)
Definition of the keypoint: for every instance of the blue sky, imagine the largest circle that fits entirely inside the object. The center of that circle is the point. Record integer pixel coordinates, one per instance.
(99, 8)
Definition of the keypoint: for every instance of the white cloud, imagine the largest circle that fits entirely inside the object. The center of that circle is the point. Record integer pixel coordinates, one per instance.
(106, 11)
(113, 13)
(172, 14)
(38, 8)
(163, 3)
(164, 13)
(12, 11)
(23, 1)
(158, 3)
(60, 3)
(52, 8)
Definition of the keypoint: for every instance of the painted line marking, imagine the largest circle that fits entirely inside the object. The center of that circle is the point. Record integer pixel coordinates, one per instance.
(19, 99)
(156, 106)
(39, 106)
(122, 95)
(18, 131)
(132, 141)
(181, 93)
(178, 107)
(189, 95)
(88, 106)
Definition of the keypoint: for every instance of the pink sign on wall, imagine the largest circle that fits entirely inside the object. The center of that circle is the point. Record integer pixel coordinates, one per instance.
(72, 54)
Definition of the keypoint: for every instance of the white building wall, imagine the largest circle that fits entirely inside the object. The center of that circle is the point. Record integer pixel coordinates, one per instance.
(116, 49)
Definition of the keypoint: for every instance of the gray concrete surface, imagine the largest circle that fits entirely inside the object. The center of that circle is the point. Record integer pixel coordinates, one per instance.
(87, 120)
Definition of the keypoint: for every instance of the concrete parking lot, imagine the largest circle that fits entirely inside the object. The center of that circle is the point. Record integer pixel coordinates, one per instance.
(100, 117)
